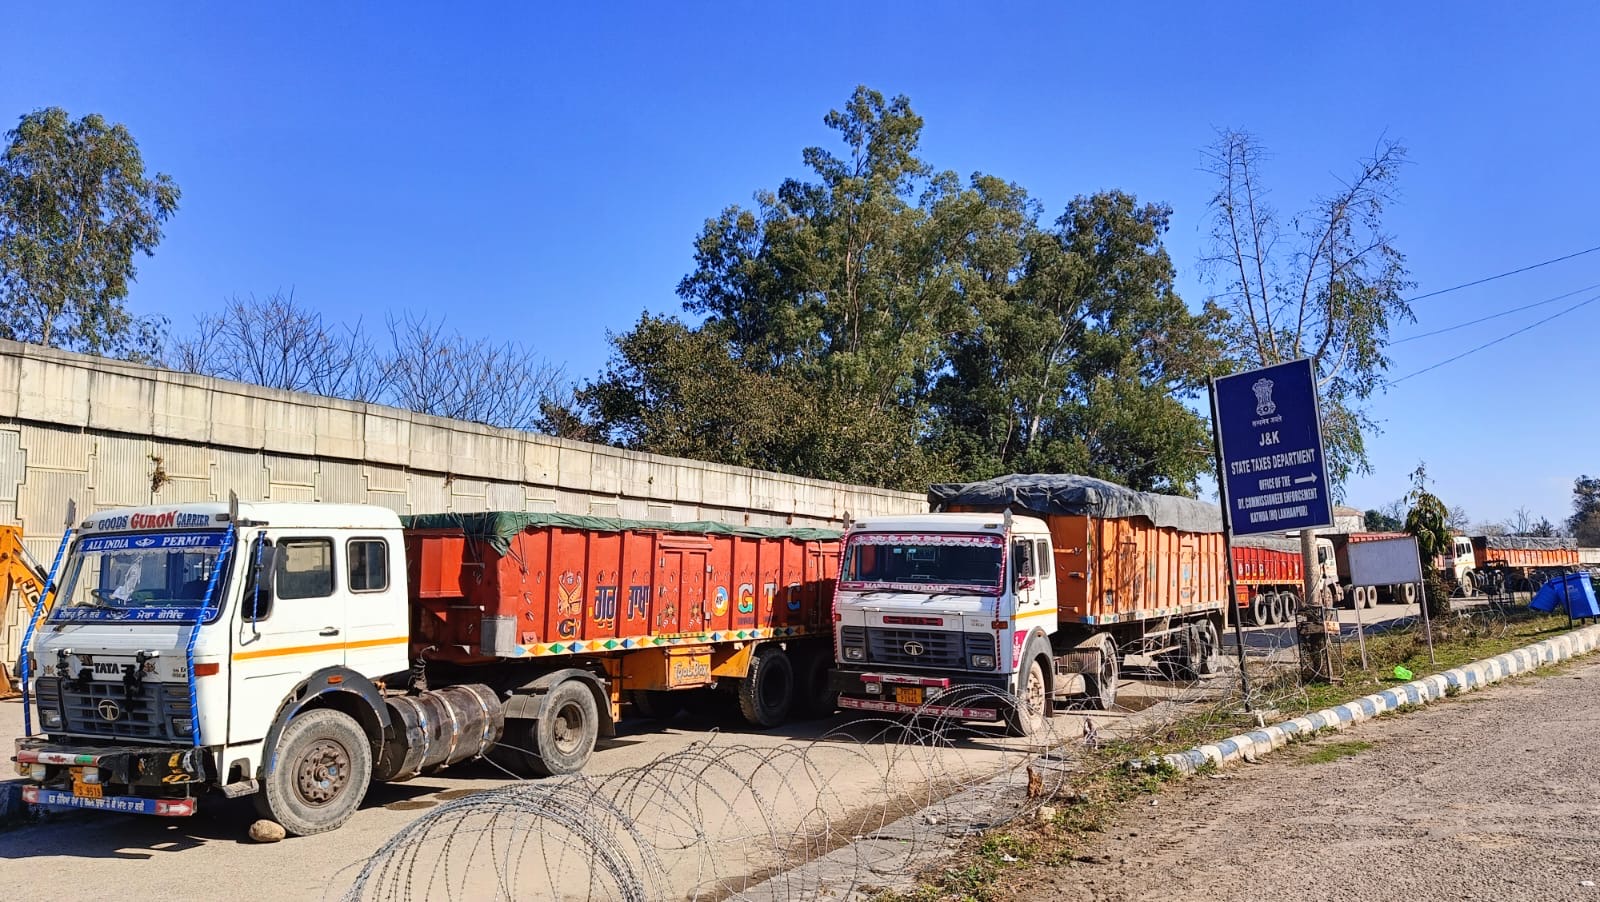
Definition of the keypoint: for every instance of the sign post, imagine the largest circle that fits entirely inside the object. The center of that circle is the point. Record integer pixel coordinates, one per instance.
(1272, 475)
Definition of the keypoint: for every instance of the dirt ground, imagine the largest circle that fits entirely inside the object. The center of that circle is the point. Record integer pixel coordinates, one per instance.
(1493, 795)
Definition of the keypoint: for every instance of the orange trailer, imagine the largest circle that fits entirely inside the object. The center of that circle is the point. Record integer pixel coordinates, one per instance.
(652, 606)
(1269, 574)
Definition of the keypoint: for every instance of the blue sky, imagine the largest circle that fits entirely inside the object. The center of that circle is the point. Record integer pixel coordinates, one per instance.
(539, 172)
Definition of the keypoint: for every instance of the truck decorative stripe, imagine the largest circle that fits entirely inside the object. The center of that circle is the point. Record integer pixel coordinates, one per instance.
(326, 646)
(33, 622)
(206, 607)
(593, 646)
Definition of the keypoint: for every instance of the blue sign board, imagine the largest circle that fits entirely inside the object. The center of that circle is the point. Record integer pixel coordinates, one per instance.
(1269, 435)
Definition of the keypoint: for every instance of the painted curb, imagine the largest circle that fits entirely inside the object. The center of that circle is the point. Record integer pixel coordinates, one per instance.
(1417, 692)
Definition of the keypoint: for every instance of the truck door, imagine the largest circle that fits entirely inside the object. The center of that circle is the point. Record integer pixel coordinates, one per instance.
(296, 630)
(374, 577)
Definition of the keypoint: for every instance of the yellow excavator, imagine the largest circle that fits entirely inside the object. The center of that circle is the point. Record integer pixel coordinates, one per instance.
(20, 577)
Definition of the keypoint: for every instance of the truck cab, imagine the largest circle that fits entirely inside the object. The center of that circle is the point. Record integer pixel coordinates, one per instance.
(947, 614)
(180, 643)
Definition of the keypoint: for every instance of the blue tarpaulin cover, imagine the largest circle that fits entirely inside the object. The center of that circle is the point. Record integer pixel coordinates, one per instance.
(1574, 592)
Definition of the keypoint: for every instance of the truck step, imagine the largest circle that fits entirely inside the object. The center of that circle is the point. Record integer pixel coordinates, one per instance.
(241, 788)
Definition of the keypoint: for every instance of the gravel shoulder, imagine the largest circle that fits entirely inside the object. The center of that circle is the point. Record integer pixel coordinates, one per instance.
(1490, 795)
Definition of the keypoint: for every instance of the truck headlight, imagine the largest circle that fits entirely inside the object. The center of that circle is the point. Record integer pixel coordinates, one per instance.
(182, 726)
(853, 653)
(38, 772)
(983, 662)
(50, 720)
(874, 688)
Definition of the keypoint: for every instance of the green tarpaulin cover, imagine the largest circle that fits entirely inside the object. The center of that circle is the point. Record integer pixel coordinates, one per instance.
(498, 527)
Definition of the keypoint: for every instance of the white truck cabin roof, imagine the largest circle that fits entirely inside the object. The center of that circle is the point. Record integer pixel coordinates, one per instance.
(214, 515)
(954, 522)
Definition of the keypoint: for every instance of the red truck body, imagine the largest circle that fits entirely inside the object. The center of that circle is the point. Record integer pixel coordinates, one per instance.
(526, 585)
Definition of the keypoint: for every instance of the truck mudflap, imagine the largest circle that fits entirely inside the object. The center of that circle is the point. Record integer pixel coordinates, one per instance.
(898, 693)
(64, 776)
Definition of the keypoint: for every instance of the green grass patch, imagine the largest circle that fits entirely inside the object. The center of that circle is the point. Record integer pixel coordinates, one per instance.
(1332, 751)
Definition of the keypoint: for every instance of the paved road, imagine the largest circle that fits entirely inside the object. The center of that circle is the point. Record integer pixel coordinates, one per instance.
(763, 788)
(1493, 795)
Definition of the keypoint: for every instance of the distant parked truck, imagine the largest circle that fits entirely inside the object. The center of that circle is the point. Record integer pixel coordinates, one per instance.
(1022, 590)
(1269, 574)
(298, 652)
(1498, 564)
(1338, 577)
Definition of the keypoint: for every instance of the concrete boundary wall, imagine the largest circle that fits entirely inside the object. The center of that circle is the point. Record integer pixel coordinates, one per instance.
(111, 434)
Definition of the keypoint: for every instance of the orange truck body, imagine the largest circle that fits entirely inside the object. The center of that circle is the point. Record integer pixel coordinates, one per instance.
(1484, 551)
(1257, 567)
(1113, 570)
(659, 604)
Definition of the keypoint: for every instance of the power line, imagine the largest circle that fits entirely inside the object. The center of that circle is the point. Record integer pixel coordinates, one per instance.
(1500, 276)
(1489, 344)
(1484, 319)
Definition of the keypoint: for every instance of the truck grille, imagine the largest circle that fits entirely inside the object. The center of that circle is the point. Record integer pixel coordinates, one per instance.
(145, 714)
(934, 648)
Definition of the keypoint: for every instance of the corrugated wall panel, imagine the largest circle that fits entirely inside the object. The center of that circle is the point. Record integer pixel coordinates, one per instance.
(292, 470)
(385, 479)
(57, 449)
(13, 463)
(185, 461)
(341, 483)
(241, 472)
(121, 472)
(42, 500)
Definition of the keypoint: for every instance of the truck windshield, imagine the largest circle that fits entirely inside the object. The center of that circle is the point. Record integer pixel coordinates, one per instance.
(151, 576)
(966, 564)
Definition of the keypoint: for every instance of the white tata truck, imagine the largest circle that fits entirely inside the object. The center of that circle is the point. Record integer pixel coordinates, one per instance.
(1022, 590)
(296, 653)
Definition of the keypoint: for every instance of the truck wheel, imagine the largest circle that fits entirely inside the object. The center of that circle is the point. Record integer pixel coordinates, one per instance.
(767, 692)
(1210, 646)
(1102, 686)
(1261, 609)
(656, 704)
(812, 696)
(1277, 608)
(563, 736)
(324, 766)
(1027, 715)
(1291, 606)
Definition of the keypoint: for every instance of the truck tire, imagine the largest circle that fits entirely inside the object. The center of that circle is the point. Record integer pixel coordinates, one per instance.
(1291, 606)
(657, 704)
(1210, 646)
(813, 698)
(1029, 714)
(1278, 608)
(1261, 609)
(324, 766)
(563, 738)
(1101, 687)
(1182, 665)
(767, 691)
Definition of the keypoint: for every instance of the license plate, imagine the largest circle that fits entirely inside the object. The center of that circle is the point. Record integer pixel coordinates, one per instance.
(908, 695)
(87, 790)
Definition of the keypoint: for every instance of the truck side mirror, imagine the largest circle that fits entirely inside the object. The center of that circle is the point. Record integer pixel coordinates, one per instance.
(258, 588)
(1023, 570)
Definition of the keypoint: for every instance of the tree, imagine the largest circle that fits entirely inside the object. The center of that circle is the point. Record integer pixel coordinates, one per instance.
(275, 342)
(925, 327)
(1544, 529)
(1327, 287)
(1378, 521)
(1584, 524)
(75, 207)
(1427, 521)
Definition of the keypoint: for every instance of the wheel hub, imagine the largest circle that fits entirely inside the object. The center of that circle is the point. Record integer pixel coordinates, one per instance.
(322, 773)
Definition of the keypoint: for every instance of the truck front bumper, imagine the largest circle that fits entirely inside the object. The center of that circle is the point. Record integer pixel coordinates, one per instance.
(158, 780)
(966, 697)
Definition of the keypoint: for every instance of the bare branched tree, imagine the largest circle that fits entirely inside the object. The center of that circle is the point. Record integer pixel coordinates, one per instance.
(276, 342)
(446, 374)
(1327, 286)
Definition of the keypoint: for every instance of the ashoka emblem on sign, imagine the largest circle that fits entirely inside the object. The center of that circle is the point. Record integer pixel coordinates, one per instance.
(1263, 390)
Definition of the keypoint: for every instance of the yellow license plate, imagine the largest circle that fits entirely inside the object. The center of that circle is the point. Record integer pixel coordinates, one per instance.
(908, 695)
(87, 790)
